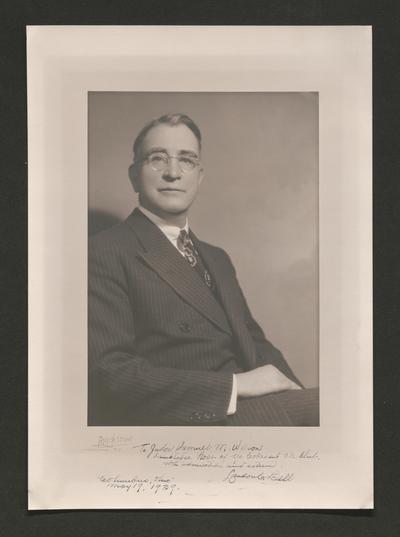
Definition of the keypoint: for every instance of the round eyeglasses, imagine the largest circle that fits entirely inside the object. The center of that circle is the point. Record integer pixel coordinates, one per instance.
(160, 161)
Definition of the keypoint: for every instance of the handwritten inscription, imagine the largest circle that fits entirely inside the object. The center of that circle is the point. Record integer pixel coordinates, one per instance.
(156, 485)
(233, 476)
(234, 462)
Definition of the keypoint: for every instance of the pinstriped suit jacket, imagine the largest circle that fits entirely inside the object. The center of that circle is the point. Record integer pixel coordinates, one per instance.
(162, 347)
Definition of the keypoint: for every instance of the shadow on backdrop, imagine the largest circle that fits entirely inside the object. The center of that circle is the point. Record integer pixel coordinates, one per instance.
(101, 220)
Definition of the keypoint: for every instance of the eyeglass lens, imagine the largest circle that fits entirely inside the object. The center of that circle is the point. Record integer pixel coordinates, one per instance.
(160, 162)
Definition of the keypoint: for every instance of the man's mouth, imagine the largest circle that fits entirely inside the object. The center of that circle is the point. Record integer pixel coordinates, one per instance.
(169, 189)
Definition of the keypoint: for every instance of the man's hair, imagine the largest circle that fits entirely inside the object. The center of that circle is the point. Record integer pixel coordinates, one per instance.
(166, 119)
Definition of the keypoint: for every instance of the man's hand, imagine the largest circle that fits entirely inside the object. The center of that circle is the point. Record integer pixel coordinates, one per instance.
(263, 380)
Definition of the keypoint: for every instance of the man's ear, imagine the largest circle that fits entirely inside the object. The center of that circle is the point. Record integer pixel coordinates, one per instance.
(201, 176)
(133, 176)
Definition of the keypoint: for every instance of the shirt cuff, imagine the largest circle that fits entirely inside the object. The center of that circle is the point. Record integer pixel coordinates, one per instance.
(232, 402)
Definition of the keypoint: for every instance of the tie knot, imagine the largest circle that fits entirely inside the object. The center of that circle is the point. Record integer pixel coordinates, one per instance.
(184, 240)
(183, 234)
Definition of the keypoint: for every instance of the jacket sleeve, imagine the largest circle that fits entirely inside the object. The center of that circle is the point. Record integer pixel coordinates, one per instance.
(266, 352)
(152, 395)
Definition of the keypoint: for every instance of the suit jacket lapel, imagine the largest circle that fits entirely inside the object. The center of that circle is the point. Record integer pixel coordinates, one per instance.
(229, 294)
(162, 257)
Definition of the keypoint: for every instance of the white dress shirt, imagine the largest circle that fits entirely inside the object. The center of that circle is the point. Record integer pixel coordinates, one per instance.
(172, 233)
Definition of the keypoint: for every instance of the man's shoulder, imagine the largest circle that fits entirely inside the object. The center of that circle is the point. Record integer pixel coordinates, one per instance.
(218, 253)
(118, 237)
(212, 248)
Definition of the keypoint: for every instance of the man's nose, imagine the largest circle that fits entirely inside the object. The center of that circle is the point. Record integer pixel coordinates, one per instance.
(172, 170)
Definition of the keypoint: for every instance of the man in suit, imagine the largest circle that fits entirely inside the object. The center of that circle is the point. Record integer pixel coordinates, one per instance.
(171, 337)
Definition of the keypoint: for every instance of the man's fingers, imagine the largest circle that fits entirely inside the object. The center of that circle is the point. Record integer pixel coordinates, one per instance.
(266, 379)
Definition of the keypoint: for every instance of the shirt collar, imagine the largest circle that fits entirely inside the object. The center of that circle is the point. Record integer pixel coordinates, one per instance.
(169, 230)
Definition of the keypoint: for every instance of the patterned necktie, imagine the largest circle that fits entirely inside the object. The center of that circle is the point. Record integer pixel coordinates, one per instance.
(186, 246)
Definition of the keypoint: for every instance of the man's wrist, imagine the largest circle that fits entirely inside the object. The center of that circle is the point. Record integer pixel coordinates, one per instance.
(233, 400)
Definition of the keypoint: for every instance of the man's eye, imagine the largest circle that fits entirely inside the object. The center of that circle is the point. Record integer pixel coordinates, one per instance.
(157, 158)
(186, 160)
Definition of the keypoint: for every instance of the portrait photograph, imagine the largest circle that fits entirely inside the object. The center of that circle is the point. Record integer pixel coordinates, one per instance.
(172, 329)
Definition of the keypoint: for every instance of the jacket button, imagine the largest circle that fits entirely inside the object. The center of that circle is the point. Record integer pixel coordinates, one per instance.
(184, 327)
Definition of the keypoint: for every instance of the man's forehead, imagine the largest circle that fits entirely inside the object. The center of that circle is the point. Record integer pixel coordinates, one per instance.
(171, 137)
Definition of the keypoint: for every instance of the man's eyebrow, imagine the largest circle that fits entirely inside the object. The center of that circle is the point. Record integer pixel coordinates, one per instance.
(188, 152)
(180, 152)
(157, 150)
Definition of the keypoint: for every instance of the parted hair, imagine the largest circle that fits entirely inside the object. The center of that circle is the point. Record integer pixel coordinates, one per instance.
(166, 119)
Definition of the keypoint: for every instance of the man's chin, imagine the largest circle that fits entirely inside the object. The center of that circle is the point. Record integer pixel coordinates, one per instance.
(166, 211)
(174, 207)
(176, 210)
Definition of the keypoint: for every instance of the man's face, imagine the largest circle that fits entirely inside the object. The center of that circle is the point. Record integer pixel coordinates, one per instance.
(168, 192)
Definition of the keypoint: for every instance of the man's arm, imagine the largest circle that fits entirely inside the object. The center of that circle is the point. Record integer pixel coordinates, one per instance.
(278, 376)
(266, 352)
(162, 394)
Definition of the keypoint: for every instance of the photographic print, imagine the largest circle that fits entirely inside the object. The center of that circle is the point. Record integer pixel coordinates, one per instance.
(200, 274)
(176, 343)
